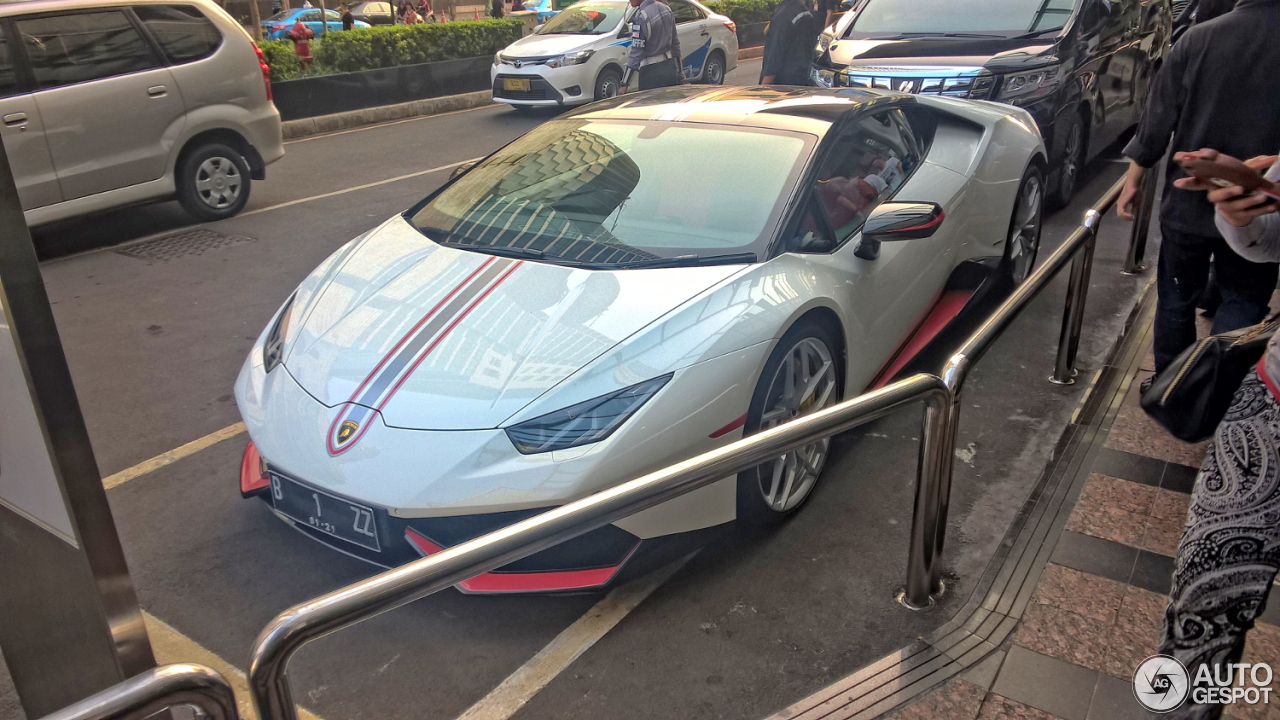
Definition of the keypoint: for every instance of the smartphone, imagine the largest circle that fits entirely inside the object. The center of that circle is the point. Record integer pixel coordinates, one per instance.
(1226, 172)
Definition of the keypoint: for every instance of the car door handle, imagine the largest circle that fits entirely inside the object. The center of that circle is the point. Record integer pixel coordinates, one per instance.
(705, 33)
(18, 120)
(157, 91)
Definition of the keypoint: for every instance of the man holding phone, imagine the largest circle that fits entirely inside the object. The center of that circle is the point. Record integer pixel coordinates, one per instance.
(1214, 90)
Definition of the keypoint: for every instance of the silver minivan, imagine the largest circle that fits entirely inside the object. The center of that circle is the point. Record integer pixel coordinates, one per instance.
(104, 104)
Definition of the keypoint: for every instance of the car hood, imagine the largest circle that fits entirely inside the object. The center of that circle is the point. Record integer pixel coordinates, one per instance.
(442, 339)
(920, 55)
(540, 46)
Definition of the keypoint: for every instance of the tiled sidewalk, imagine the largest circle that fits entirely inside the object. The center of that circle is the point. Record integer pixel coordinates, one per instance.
(1098, 608)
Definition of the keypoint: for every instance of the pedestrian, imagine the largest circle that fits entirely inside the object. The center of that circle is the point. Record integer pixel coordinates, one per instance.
(495, 9)
(826, 10)
(424, 11)
(676, 57)
(1230, 547)
(411, 16)
(276, 7)
(348, 20)
(306, 4)
(650, 61)
(788, 44)
(1209, 93)
(401, 9)
(301, 36)
(517, 6)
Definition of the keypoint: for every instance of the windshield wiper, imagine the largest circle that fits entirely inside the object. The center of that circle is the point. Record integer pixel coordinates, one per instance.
(1036, 33)
(500, 250)
(926, 35)
(686, 261)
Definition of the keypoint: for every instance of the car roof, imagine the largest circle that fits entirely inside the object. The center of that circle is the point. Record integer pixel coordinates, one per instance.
(804, 109)
(25, 7)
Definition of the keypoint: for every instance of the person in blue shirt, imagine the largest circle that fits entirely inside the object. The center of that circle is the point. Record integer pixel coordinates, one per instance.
(653, 58)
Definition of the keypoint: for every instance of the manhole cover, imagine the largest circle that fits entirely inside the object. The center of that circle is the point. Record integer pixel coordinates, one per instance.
(182, 244)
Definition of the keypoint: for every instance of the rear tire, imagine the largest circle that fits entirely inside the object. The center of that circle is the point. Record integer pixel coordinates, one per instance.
(713, 71)
(1022, 243)
(1072, 161)
(213, 182)
(801, 376)
(607, 83)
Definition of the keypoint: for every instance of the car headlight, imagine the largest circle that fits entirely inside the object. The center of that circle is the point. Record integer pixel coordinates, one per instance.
(1036, 82)
(273, 348)
(573, 58)
(586, 422)
(824, 78)
(824, 42)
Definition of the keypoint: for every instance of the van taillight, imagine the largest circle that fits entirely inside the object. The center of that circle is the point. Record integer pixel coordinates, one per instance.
(266, 69)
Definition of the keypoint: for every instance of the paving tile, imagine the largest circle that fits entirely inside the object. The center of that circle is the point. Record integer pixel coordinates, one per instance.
(1179, 478)
(1112, 509)
(1092, 596)
(1134, 432)
(1094, 555)
(954, 699)
(1153, 572)
(1168, 517)
(1136, 634)
(1113, 699)
(984, 673)
(1064, 635)
(1271, 611)
(1127, 466)
(1002, 708)
(1262, 644)
(1042, 682)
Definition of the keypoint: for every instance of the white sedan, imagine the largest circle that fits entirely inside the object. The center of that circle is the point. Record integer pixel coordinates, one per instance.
(624, 287)
(579, 55)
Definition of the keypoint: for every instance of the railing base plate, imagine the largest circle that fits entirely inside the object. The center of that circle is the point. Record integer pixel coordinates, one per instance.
(901, 597)
(1140, 269)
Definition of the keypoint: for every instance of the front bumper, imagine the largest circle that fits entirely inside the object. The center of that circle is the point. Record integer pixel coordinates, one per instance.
(570, 85)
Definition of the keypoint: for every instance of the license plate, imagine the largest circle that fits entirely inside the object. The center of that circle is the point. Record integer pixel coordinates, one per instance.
(520, 85)
(330, 514)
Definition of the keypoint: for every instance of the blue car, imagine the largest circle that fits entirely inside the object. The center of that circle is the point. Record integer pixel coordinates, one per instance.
(277, 26)
(547, 9)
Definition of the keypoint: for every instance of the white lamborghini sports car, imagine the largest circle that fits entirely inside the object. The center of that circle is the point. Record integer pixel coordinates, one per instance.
(626, 286)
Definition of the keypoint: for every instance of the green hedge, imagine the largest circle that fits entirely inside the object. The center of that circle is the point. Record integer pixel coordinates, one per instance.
(391, 45)
(745, 12)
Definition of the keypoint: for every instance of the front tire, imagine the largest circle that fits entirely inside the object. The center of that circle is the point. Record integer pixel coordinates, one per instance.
(1072, 161)
(801, 376)
(713, 71)
(213, 182)
(1023, 240)
(607, 83)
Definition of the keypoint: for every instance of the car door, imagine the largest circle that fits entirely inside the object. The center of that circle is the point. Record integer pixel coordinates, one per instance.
(334, 20)
(695, 37)
(1113, 76)
(866, 164)
(311, 20)
(24, 137)
(111, 110)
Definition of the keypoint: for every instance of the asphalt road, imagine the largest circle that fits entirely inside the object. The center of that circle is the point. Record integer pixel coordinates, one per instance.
(751, 624)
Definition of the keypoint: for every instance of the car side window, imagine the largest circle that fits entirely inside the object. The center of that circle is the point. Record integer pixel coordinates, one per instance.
(310, 16)
(684, 12)
(865, 166)
(184, 33)
(332, 15)
(8, 70)
(83, 46)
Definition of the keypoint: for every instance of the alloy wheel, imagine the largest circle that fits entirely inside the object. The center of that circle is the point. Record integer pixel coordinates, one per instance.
(218, 182)
(805, 382)
(1071, 161)
(1024, 233)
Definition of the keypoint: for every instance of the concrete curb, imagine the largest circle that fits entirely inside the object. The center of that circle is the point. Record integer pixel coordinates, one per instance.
(306, 127)
(294, 129)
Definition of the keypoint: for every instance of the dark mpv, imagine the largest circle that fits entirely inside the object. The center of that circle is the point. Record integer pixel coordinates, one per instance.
(1080, 67)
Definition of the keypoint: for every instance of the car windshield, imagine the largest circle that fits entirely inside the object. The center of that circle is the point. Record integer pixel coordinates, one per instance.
(1001, 18)
(614, 193)
(282, 15)
(586, 18)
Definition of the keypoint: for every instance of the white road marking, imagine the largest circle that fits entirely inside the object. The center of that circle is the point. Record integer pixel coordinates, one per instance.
(518, 689)
(394, 122)
(365, 186)
(172, 456)
(171, 646)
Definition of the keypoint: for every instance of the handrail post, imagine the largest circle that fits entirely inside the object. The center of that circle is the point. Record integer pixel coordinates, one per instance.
(946, 451)
(931, 469)
(1064, 369)
(145, 694)
(1141, 226)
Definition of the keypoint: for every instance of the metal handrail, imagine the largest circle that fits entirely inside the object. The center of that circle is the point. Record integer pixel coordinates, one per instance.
(156, 689)
(300, 624)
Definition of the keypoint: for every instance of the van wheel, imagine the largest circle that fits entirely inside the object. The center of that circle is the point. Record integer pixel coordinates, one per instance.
(213, 182)
(713, 71)
(607, 83)
(1071, 163)
(801, 376)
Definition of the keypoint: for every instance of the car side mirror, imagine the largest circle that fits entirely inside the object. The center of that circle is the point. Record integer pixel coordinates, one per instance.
(897, 221)
(461, 169)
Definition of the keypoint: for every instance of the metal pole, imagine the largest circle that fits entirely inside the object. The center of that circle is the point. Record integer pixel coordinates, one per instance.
(157, 689)
(1073, 309)
(324, 19)
(931, 470)
(1141, 225)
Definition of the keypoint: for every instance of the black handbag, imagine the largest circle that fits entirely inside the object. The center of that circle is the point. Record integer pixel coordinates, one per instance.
(1192, 395)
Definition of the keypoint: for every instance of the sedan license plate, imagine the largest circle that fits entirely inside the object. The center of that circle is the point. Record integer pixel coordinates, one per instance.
(515, 84)
(327, 513)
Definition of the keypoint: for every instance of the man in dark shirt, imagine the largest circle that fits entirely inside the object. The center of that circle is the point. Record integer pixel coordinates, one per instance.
(1216, 90)
(788, 44)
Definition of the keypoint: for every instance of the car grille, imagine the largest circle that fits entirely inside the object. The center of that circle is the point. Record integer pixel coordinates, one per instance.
(977, 87)
(539, 89)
